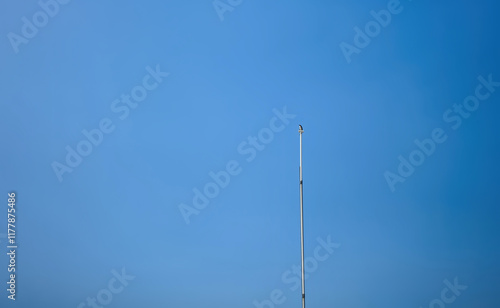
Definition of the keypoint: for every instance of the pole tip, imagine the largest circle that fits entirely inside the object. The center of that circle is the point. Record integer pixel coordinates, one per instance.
(301, 130)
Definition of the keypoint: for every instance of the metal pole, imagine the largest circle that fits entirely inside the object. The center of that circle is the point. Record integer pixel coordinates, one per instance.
(301, 130)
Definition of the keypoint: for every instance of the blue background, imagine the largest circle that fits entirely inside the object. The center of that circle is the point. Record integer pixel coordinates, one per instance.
(120, 207)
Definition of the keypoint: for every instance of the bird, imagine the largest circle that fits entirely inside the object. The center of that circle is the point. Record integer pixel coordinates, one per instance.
(300, 129)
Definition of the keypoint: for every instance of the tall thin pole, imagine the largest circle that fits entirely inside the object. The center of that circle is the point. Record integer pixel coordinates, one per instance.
(301, 130)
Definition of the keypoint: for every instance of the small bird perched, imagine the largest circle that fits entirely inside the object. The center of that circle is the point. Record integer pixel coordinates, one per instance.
(301, 130)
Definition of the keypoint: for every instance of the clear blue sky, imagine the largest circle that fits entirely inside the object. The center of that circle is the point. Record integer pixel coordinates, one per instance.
(229, 75)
